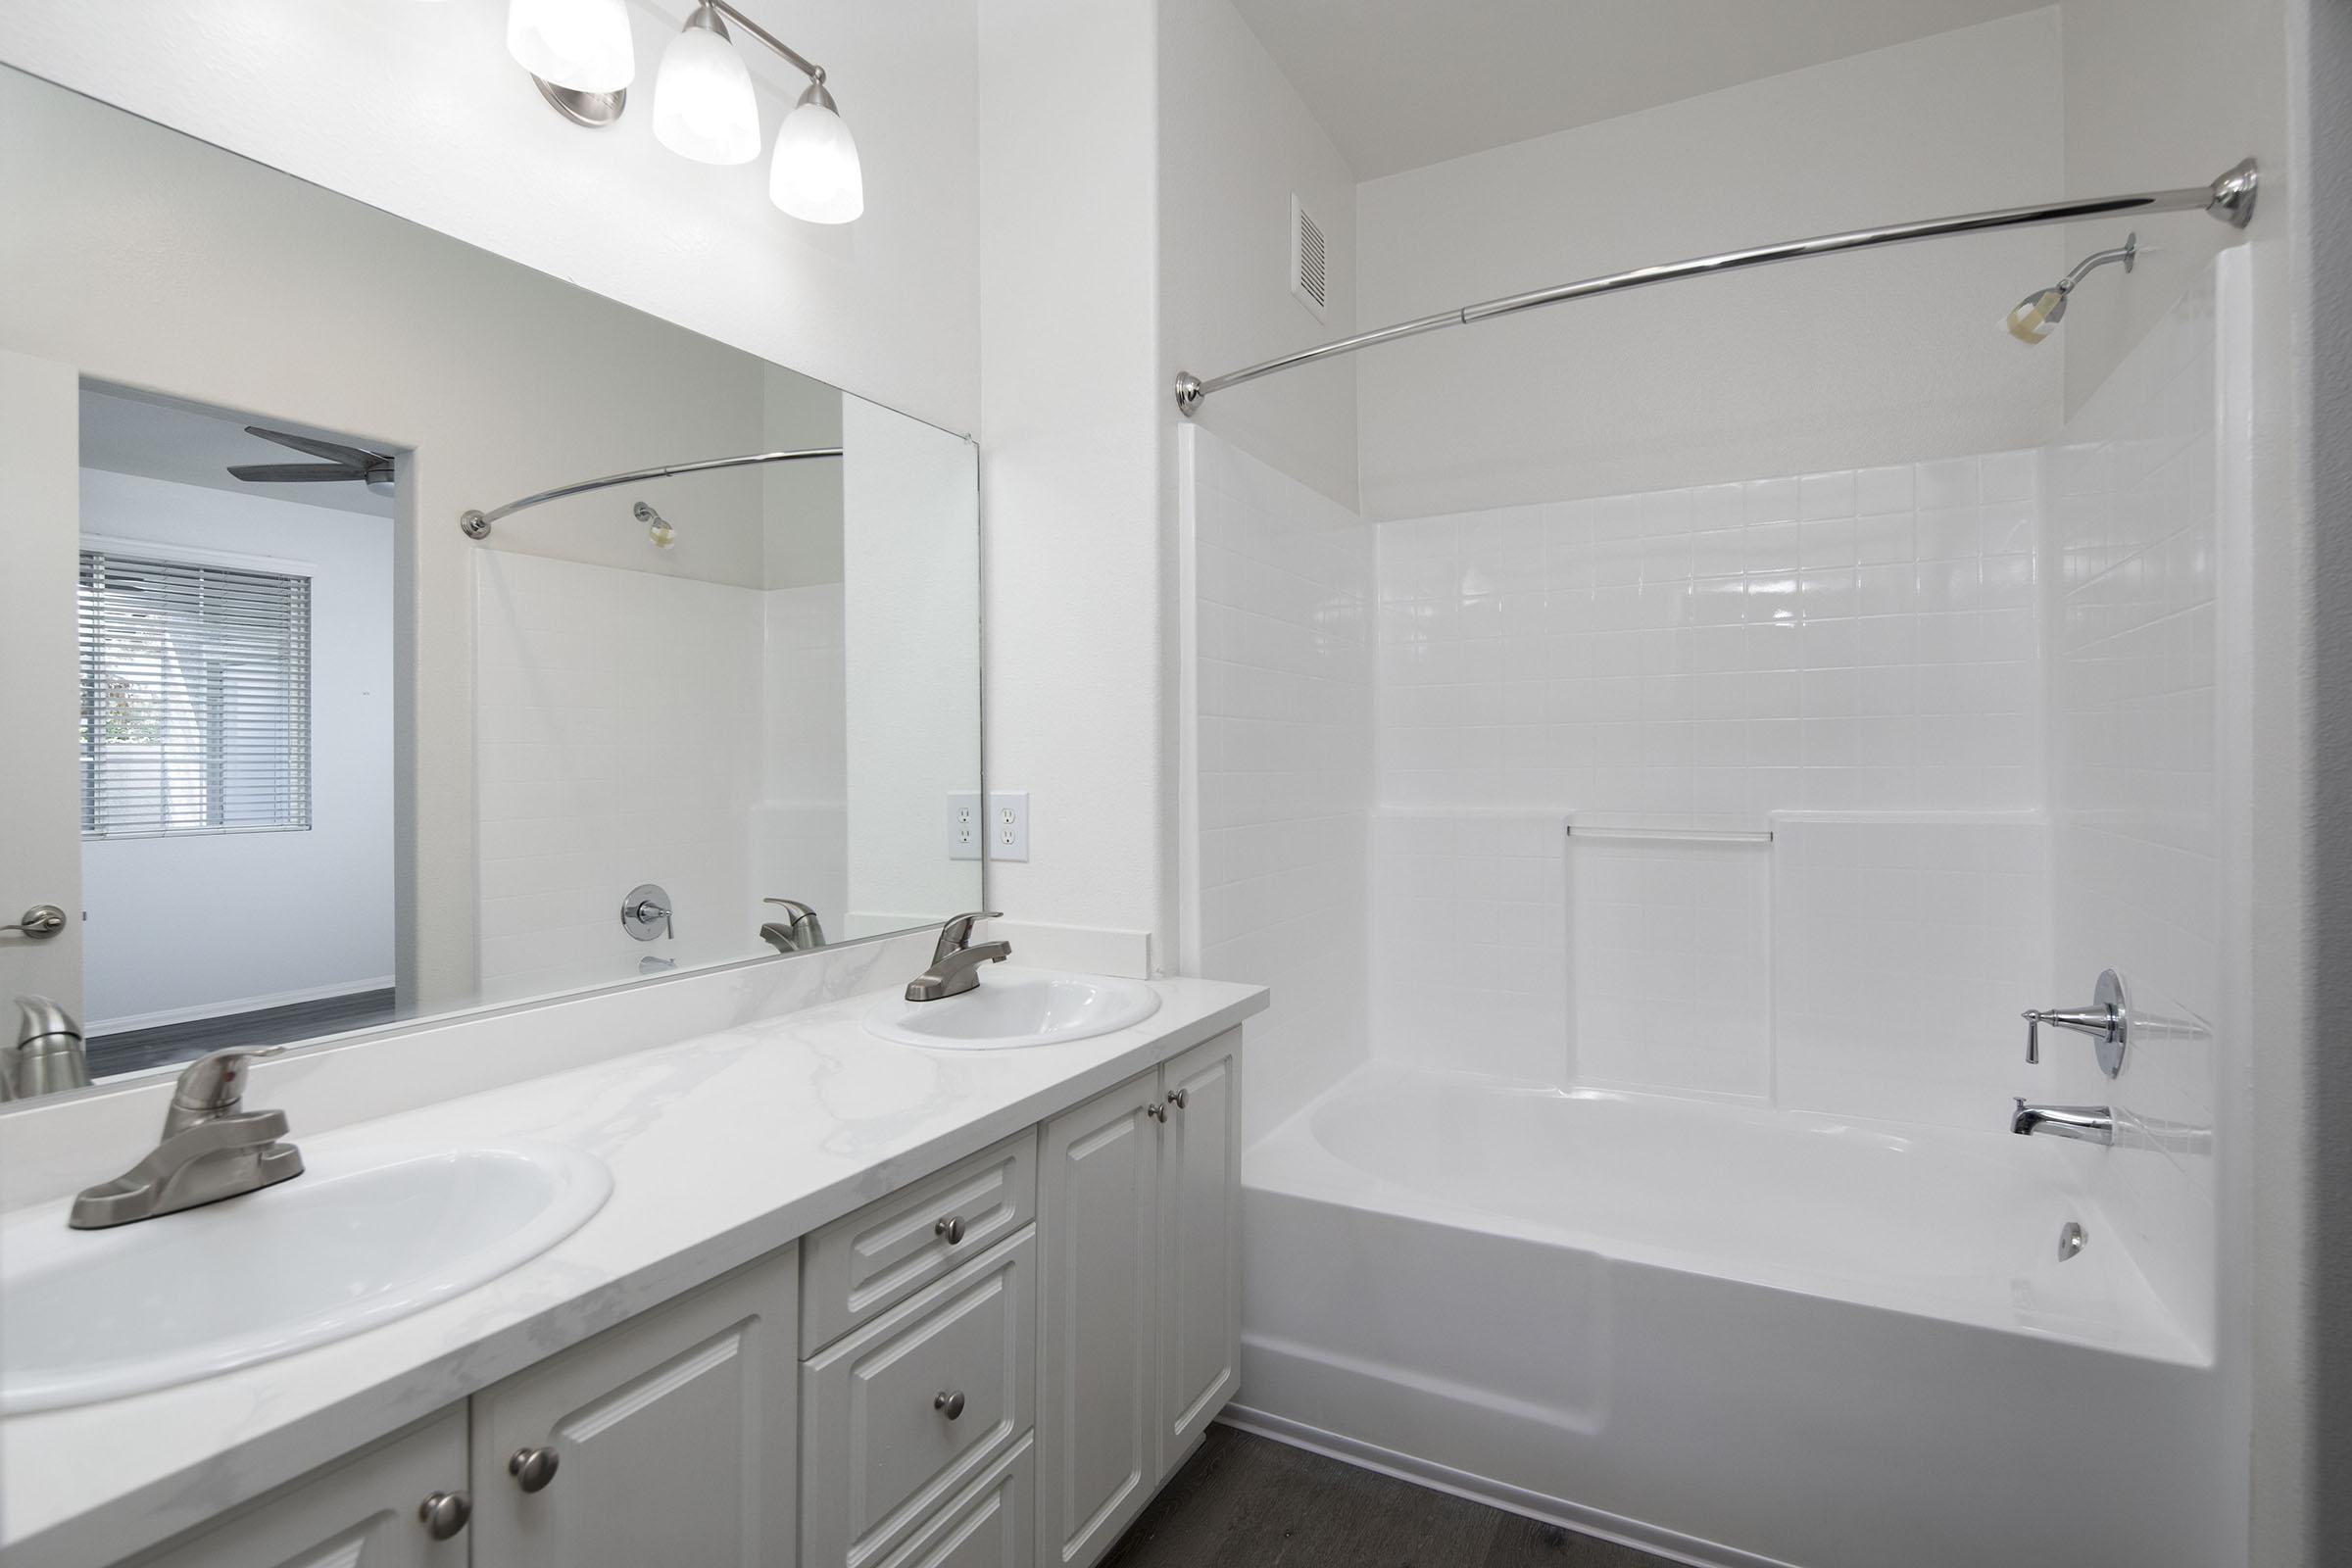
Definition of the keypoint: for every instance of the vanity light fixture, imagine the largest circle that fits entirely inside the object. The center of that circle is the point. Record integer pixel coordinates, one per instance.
(579, 52)
(702, 104)
(815, 175)
(704, 107)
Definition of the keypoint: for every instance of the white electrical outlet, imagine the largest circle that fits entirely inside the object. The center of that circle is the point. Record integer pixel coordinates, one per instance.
(1009, 824)
(963, 825)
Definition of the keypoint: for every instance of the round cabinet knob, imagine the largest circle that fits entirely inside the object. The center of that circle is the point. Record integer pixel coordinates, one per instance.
(1158, 1110)
(445, 1514)
(532, 1468)
(1180, 1098)
(952, 1228)
(950, 1406)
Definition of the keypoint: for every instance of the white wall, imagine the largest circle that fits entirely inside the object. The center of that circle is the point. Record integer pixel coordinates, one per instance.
(1236, 143)
(2161, 93)
(1891, 357)
(2303, 1299)
(313, 909)
(911, 607)
(1080, 586)
(420, 110)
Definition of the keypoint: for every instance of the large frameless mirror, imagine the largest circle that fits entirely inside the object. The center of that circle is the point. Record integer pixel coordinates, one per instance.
(393, 629)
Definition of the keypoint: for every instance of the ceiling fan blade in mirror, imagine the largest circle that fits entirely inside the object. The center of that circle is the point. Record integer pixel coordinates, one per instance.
(333, 451)
(295, 472)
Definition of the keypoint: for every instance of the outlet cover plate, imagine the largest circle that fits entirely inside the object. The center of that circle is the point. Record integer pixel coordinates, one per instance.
(963, 825)
(1009, 824)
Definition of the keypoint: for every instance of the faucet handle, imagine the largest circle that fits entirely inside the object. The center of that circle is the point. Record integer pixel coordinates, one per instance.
(214, 1084)
(957, 931)
(2107, 1020)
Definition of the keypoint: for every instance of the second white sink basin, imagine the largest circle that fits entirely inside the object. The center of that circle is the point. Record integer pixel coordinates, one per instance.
(363, 1236)
(1015, 1006)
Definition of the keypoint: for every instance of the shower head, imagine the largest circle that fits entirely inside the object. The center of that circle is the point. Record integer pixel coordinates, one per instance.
(657, 526)
(2037, 314)
(2043, 309)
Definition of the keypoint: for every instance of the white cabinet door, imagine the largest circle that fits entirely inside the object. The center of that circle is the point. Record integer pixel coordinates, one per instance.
(1097, 1202)
(360, 1513)
(1199, 1240)
(673, 1438)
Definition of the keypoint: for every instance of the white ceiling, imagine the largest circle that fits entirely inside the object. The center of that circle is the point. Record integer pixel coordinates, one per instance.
(1401, 83)
(159, 439)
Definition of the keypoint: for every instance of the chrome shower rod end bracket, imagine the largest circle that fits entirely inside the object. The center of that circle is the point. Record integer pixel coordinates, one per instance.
(1188, 393)
(2232, 198)
(475, 525)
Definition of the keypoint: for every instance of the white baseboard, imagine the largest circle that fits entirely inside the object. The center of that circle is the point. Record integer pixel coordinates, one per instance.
(235, 1004)
(1668, 1543)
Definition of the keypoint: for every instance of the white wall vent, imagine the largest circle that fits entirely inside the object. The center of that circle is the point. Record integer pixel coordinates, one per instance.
(1310, 262)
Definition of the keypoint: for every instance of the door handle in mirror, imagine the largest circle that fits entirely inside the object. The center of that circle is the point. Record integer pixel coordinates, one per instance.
(41, 922)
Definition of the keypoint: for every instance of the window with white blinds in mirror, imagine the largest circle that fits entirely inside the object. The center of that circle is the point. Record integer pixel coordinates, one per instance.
(195, 698)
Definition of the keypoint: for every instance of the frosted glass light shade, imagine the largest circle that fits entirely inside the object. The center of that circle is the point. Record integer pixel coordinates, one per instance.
(703, 103)
(580, 44)
(816, 174)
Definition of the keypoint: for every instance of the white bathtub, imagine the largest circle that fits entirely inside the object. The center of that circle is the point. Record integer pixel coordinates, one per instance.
(1734, 1334)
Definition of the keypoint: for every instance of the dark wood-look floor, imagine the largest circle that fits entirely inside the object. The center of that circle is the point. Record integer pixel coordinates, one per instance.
(132, 1050)
(1245, 1502)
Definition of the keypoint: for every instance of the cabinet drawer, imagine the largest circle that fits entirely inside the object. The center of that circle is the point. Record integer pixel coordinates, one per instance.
(990, 1526)
(880, 1453)
(866, 1261)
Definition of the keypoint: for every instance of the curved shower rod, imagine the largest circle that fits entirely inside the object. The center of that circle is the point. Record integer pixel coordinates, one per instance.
(476, 524)
(2229, 198)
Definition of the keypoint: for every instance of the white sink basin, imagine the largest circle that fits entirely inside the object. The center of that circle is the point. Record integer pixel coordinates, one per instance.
(1016, 1007)
(364, 1235)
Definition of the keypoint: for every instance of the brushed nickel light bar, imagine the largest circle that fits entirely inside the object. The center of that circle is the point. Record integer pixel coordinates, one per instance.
(2229, 198)
(476, 524)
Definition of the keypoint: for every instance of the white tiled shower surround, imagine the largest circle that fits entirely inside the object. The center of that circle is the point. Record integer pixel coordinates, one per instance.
(602, 766)
(2149, 500)
(1852, 659)
(799, 827)
(1849, 660)
(1842, 641)
(1283, 726)
(1933, 684)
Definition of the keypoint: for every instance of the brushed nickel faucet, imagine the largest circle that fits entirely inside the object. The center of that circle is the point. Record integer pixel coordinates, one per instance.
(47, 1055)
(2089, 1124)
(211, 1149)
(803, 932)
(956, 962)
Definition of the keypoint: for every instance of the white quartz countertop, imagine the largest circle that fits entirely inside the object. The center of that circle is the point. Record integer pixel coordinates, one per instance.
(722, 1148)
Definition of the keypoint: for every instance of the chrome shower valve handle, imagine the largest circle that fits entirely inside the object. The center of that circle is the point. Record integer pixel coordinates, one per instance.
(2107, 1020)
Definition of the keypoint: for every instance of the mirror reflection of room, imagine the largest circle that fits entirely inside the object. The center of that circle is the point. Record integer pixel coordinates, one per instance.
(518, 645)
(234, 630)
